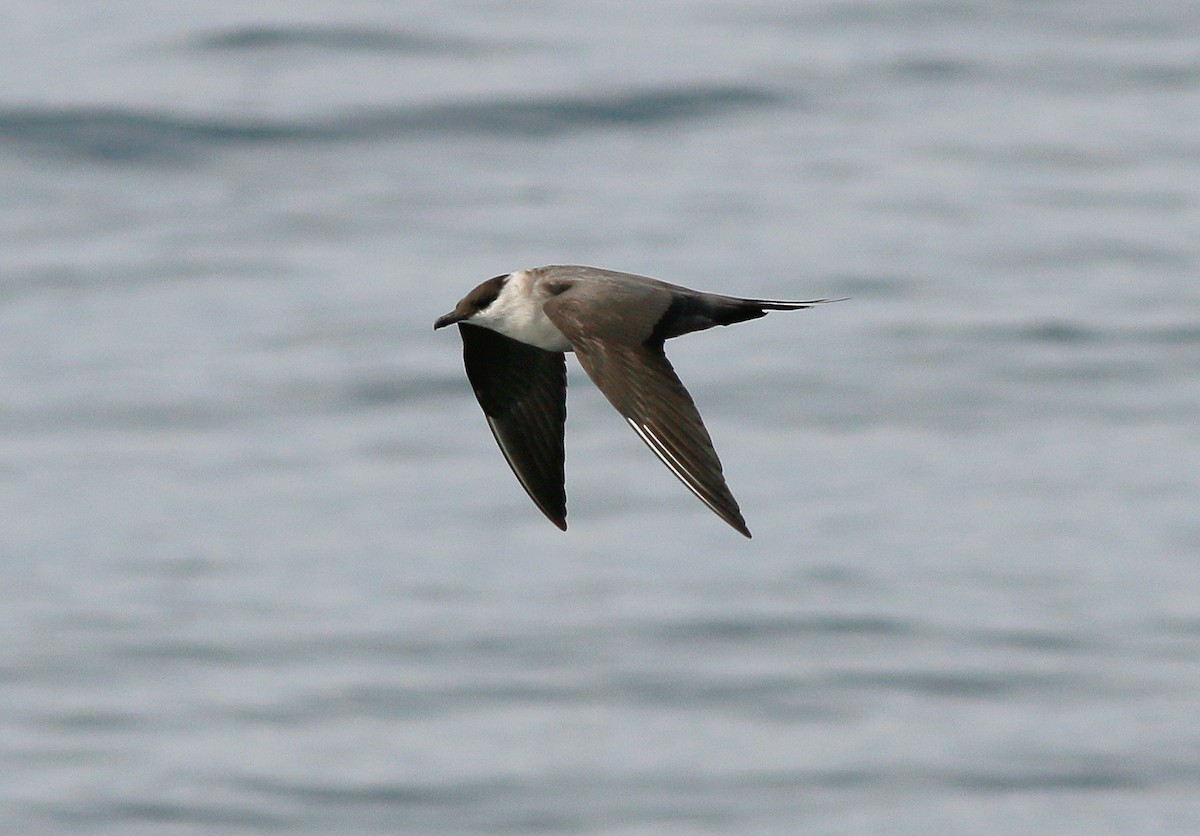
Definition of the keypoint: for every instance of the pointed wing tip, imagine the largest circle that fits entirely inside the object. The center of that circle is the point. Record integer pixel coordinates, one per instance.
(556, 515)
(554, 510)
(737, 524)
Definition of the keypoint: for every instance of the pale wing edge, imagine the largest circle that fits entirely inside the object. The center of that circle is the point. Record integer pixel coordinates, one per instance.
(554, 506)
(731, 515)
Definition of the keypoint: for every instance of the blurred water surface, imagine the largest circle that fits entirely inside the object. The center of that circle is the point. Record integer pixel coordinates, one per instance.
(263, 568)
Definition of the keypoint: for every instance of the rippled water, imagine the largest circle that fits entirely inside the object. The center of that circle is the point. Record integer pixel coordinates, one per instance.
(264, 569)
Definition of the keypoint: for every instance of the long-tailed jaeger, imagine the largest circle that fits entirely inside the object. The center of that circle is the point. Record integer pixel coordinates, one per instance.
(515, 329)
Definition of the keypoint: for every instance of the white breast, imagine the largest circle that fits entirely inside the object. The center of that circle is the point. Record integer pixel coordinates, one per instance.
(517, 313)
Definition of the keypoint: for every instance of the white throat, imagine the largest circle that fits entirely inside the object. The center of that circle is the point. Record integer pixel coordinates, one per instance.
(517, 313)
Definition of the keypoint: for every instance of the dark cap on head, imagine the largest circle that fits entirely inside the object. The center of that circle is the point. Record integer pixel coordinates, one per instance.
(474, 302)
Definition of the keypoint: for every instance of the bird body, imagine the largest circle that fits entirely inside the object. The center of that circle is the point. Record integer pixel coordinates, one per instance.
(515, 330)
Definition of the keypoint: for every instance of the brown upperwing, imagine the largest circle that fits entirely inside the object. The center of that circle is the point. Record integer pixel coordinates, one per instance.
(640, 383)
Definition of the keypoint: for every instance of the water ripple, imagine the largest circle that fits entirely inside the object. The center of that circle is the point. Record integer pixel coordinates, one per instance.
(128, 135)
(260, 38)
(763, 628)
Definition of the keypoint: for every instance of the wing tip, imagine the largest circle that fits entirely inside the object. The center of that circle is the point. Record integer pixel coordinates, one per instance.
(733, 517)
(556, 513)
(725, 507)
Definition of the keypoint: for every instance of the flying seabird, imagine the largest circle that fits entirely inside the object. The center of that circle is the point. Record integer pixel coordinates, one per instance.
(515, 329)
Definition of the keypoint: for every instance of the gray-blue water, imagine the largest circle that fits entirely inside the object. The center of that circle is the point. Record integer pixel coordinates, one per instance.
(262, 567)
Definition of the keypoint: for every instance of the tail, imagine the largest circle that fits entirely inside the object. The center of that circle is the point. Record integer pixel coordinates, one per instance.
(732, 309)
(692, 311)
(783, 305)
